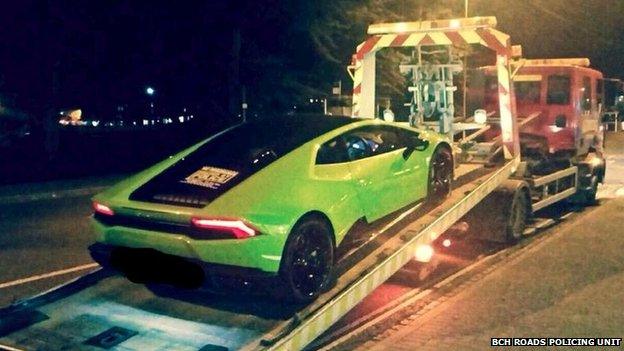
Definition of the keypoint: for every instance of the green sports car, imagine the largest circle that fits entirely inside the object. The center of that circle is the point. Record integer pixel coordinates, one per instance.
(273, 197)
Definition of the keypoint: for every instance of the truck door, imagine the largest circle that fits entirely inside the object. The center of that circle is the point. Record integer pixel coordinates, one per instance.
(589, 121)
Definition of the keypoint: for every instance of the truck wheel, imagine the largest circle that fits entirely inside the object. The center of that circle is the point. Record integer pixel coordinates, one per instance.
(308, 260)
(517, 217)
(440, 174)
(588, 196)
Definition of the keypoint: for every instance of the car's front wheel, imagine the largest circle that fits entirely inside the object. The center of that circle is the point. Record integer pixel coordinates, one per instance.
(440, 174)
(308, 260)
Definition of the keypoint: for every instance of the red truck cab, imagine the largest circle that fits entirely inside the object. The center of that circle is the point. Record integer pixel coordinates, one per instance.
(564, 96)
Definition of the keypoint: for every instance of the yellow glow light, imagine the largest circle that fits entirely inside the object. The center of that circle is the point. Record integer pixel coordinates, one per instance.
(516, 51)
(596, 161)
(423, 26)
(75, 115)
(423, 253)
(579, 61)
(480, 116)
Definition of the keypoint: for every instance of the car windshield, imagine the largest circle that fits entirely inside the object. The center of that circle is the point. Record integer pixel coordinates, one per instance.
(232, 156)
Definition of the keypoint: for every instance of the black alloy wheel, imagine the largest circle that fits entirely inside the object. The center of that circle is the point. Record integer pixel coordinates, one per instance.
(308, 260)
(440, 174)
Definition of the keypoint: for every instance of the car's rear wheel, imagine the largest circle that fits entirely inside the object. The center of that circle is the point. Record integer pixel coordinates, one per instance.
(308, 260)
(440, 174)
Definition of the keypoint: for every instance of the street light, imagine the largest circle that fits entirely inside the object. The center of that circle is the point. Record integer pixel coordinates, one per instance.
(150, 92)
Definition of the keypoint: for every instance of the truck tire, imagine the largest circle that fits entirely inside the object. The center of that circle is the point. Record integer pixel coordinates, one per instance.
(502, 216)
(589, 177)
(588, 196)
(517, 217)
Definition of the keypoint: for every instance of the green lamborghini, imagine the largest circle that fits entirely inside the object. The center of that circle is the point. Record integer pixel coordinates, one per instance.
(273, 197)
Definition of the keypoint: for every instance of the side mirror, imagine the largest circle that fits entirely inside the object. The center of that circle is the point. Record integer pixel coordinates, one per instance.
(560, 121)
(422, 144)
(414, 144)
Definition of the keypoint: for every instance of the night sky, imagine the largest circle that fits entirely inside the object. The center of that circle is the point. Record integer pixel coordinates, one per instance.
(101, 53)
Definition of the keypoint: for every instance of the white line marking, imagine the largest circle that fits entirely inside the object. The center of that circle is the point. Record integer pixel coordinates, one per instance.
(48, 275)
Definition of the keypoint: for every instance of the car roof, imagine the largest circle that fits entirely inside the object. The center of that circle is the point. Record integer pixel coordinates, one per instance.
(243, 150)
(317, 123)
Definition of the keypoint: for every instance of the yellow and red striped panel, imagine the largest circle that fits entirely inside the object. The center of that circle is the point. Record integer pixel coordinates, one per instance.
(488, 37)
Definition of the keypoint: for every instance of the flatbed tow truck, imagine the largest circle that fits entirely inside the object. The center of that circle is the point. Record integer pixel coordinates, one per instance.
(104, 310)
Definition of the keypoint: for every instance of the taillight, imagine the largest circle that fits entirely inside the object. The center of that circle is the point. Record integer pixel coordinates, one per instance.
(102, 209)
(238, 228)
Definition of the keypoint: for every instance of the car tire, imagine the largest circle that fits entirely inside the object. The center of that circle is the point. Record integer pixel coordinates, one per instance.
(308, 260)
(440, 179)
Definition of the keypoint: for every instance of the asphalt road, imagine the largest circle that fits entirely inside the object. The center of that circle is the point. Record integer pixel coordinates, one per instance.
(39, 237)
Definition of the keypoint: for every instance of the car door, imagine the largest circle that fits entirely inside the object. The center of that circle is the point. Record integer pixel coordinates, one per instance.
(333, 189)
(417, 163)
(385, 179)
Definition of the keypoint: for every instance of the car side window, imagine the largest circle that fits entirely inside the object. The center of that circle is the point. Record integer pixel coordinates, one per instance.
(331, 152)
(371, 141)
(358, 146)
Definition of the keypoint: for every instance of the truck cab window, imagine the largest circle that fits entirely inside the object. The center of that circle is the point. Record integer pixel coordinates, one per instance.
(558, 90)
(528, 92)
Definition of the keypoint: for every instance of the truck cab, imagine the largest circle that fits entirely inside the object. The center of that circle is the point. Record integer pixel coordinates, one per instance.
(563, 99)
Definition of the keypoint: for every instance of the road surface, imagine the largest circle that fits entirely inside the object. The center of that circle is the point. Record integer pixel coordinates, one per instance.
(40, 238)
